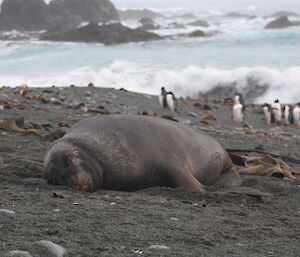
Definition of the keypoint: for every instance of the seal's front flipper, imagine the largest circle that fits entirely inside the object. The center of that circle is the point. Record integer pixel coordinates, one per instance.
(229, 178)
(185, 179)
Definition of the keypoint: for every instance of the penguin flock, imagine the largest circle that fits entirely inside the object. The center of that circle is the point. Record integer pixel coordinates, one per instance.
(278, 114)
(167, 100)
(274, 113)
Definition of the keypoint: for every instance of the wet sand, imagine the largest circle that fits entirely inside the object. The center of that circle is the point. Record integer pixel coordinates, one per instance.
(260, 218)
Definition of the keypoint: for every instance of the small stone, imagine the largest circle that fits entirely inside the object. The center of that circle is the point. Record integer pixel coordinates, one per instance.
(18, 254)
(84, 109)
(88, 93)
(7, 211)
(54, 250)
(192, 114)
(159, 247)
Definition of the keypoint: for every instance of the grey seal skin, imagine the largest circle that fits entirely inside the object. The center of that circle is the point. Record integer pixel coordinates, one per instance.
(128, 153)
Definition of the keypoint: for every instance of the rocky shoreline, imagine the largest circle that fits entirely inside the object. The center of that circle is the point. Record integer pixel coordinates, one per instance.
(260, 218)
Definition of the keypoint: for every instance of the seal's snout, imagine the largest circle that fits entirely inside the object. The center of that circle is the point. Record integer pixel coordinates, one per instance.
(58, 168)
(82, 182)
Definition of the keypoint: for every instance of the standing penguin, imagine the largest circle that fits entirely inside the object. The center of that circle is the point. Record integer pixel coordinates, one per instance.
(288, 114)
(276, 111)
(238, 111)
(171, 102)
(162, 98)
(167, 100)
(267, 112)
(296, 115)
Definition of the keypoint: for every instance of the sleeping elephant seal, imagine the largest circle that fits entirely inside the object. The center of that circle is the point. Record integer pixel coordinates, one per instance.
(128, 152)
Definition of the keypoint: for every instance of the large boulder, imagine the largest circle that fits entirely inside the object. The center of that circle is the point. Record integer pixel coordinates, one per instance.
(136, 14)
(36, 15)
(199, 23)
(61, 17)
(197, 33)
(283, 13)
(24, 15)
(280, 23)
(239, 15)
(92, 10)
(114, 33)
(146, 21)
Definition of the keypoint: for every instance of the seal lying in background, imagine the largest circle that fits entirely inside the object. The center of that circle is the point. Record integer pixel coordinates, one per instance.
(127, 152)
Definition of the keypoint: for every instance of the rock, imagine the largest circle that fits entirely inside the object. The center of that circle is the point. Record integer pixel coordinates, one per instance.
(197, 33)
(58, 15)
(175, 25)
(15, 15)
(159, 248)
(109, 34)
(146, 21)
(7, 211)
(199, 23)
(238, 15)
(149, 27)
(138, 14)
(283, 13)
(92, 10)
(51, 249)
(148, 24)
(253, 89)
(184, 16)
(280, 23)
(18, 254)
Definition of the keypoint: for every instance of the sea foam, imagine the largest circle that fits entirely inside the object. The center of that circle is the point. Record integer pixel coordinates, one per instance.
(188, 81)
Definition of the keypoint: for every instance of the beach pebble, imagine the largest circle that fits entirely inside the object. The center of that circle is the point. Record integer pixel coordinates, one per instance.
(88, 93)
(276, 130)
(7, 211)
(192, 114)
(159, 247)
(84, 109)
(18, 254)
(52, 249)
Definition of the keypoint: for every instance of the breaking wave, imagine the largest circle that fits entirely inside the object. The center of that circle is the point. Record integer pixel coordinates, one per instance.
(263, 84)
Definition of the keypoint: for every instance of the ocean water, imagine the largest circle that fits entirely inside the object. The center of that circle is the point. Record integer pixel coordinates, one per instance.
(241, 49)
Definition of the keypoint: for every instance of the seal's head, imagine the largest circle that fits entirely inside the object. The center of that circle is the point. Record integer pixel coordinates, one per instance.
(66, 164)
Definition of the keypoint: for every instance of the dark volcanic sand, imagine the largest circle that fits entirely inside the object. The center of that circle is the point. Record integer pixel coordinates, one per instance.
(261, 218)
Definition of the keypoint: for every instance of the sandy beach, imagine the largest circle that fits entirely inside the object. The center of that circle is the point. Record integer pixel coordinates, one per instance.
(260, 218)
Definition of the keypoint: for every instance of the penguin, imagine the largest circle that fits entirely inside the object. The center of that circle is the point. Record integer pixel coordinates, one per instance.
(276, 111)
(238, 113)
(296, 115)
(162, 98)
(288, 114)
(267, 112)
(171, 102)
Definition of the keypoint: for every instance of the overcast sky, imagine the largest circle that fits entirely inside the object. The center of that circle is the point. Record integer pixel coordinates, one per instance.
(226, 5)
(216, 4)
